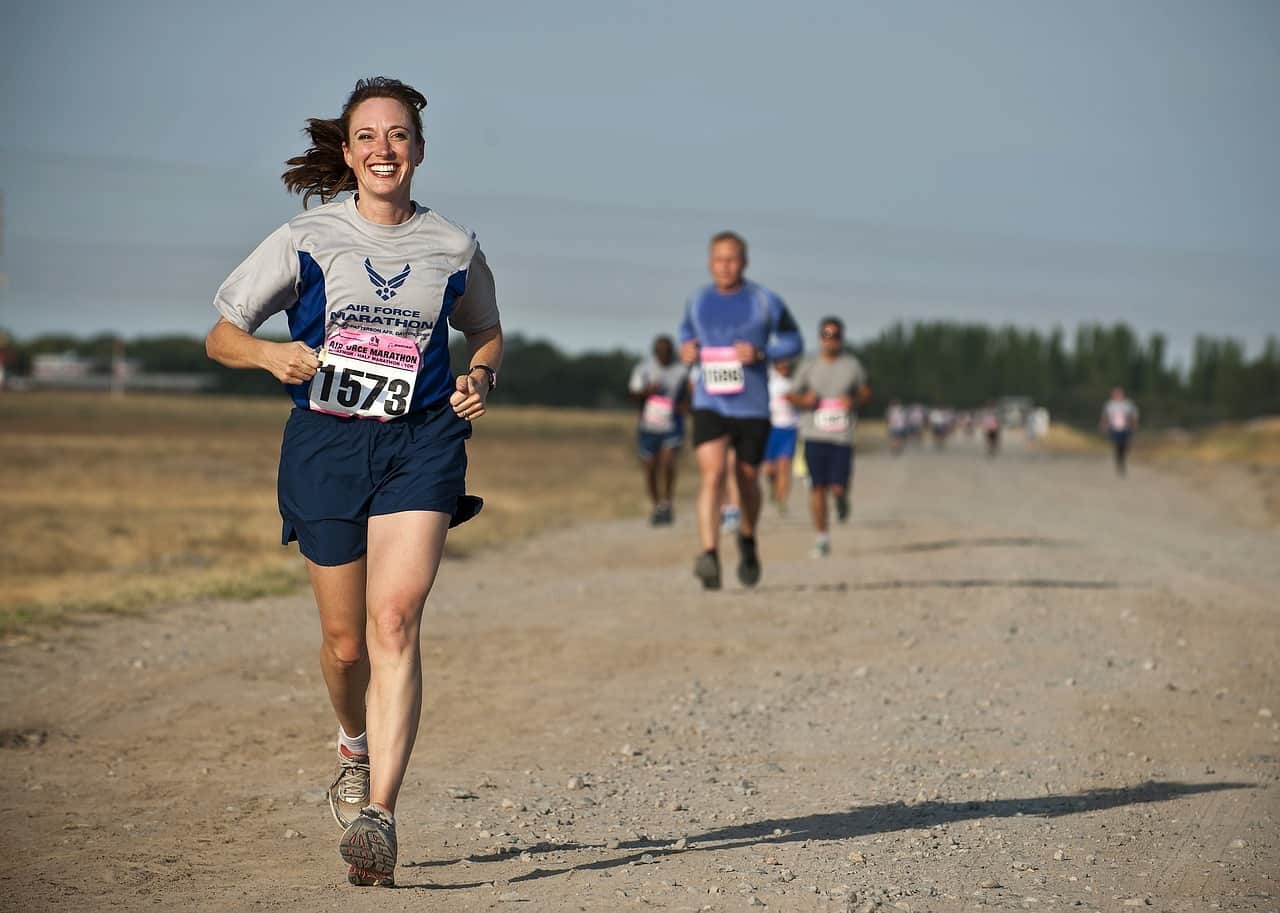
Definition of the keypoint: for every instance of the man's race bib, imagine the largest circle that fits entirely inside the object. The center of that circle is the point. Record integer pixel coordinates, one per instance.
(365, 374)
(722, 371)
(832, 416)
(659, 415)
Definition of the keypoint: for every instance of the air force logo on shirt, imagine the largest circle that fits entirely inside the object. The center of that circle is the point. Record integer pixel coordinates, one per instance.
(385, 288)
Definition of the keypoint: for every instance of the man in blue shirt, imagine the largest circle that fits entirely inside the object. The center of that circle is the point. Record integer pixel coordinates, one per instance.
(731, 330)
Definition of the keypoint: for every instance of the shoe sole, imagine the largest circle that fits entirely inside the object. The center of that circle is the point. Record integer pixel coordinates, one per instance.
(372, 861)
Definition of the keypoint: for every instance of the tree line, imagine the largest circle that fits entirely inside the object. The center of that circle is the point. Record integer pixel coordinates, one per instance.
(954, 364)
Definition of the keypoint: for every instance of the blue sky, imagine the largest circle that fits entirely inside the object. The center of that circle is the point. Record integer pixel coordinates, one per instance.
(1037, 163)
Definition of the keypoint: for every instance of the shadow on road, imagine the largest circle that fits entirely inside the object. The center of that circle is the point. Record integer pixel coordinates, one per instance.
(859, 822)
(974, 542)
(963, 583)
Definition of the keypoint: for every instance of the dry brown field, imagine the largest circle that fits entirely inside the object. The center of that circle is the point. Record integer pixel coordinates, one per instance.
(1237, 462)
(113, 505)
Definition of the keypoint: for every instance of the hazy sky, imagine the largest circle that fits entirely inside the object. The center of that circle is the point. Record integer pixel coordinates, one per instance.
(1031, 162)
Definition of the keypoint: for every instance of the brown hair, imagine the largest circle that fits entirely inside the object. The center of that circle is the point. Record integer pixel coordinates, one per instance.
(730, 236)
(321, 171)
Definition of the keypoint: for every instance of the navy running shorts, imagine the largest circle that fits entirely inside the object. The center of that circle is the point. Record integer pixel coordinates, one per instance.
(781, 444)
(337, 472)
(650, 442)
(829, 464)
(746, 435)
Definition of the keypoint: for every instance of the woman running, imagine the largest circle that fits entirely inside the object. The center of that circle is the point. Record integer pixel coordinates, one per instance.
(373, 461)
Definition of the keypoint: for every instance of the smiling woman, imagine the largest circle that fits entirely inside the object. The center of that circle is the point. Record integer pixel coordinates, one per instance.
(329, 167)
(373, 463)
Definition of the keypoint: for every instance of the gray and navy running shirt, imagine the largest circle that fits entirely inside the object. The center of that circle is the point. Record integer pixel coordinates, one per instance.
(330, 268)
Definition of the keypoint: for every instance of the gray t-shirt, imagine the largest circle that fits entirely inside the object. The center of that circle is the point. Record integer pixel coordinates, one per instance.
(330, 269)
(660, 412)
(830, 422)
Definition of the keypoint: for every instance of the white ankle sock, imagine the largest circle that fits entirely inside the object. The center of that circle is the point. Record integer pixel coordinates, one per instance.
(353, 744)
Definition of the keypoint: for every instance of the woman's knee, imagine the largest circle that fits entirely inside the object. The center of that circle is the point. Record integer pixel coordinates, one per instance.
(345, 649)
(393, 625)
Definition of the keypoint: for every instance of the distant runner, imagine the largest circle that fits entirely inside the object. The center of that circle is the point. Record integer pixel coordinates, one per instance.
(731, 328)
(1119, 420)
(989, 420)
(660, 386)
(895, 418)
(780, 449)
(830, 387)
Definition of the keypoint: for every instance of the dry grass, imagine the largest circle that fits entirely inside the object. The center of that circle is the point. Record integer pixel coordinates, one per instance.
(1254, 443)
(1065, 439)
(1207, 457)
(115, 505)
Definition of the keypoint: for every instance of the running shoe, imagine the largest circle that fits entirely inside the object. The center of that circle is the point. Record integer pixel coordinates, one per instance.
(349, 791)
(707, 569)
(730, 516)
(821, 548)
(369, 846)
(662, 515)
(842, 507)
(748, 562)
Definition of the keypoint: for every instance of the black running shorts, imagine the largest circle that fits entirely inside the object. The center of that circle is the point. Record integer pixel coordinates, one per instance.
(748, 436)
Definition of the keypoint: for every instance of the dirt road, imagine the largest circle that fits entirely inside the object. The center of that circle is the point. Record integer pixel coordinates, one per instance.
(1016, 684)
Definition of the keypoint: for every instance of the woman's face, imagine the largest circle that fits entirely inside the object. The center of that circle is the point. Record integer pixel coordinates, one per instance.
(382, 149)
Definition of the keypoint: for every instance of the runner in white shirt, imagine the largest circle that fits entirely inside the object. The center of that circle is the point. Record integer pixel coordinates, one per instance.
(660, 387)
(780, 449)
(989, 421)
(1119, 420)
(895, 418)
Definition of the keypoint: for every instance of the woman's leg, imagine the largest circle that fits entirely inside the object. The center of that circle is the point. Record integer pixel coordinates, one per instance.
(404, 554)
(344, 662)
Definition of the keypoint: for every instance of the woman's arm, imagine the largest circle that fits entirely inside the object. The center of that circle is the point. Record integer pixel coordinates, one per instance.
(472, 388)
(288, 362)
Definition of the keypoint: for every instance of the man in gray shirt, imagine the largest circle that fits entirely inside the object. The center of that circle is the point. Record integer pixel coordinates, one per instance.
(829, 388)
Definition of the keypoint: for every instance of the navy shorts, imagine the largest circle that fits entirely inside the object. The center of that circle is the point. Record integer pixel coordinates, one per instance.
(781, 444)
(829, 464)
(337, 472)
(650, 442)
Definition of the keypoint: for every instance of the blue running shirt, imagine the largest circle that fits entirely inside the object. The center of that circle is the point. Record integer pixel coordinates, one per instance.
(330, 268)
(752, 314)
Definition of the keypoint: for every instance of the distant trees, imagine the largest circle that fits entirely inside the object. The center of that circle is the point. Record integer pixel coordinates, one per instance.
(956, 364)
(965, 365)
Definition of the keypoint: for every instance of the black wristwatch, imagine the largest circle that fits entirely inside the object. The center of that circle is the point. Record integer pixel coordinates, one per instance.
(490, 374)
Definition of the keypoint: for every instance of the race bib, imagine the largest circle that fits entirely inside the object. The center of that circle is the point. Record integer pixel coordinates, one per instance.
(659, 414)
(832, 417)
(365, 374)
(1119, 421)
(722, 371)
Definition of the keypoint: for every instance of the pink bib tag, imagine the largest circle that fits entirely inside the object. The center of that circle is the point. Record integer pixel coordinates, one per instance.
(831, 416)
(659, 414)
(722, 371)
(366, 374)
